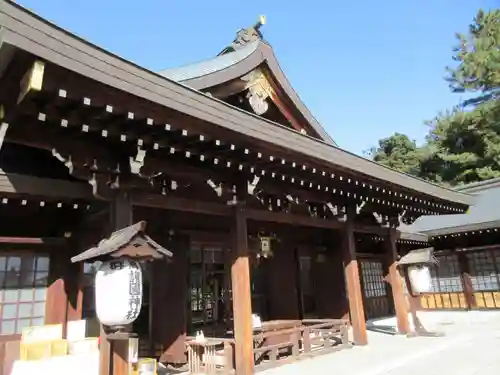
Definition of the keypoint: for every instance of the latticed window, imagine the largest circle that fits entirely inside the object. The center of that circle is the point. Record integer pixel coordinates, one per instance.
(23, 291)
(450, 278)
(373, 279)
(483, 273)
(196, 292)
(435, 279)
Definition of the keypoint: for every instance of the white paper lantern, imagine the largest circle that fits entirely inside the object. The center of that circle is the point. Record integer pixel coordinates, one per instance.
(256, 321)
(420, 278)
(118, 292)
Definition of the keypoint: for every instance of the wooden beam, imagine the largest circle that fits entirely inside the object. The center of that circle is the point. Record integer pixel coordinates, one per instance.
(395, 281)
(52, 188)
(17, 184)
(48, 241)
(32, 80)
(292, 219)
(282, 107)
(353, 283)
(168, 202)
(308, 221)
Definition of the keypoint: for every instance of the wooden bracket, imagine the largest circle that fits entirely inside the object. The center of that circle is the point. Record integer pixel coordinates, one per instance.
(32, 80)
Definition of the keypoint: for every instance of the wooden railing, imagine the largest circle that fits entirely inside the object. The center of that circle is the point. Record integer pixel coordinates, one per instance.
(213, 356)
(275, 345)
(270, 347)
(325, 334)
(310, 338)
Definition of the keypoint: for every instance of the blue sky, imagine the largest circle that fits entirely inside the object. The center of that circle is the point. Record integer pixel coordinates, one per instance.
(365, 68)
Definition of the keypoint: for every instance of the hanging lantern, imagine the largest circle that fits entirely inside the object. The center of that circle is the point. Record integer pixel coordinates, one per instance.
(420, 278)
(265, 247)
(118, 292)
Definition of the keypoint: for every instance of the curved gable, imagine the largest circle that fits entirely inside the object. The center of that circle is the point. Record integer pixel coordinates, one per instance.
(238, 63)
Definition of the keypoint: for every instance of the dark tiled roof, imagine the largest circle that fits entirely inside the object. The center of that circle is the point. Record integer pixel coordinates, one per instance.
(484, 214)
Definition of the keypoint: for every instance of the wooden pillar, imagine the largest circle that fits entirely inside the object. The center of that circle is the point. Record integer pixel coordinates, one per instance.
(169, 305)
(57, 299)
(395, 281)
(353, 283)
(242, 301)
(113, 355)
(73, 292)
(62, 294)
(463, 264)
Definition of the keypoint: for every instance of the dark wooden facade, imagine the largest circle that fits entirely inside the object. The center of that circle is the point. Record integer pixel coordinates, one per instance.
(85, 130)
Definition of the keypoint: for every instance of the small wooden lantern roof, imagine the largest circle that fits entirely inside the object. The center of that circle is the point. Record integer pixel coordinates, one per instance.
(419, 256)
(131, 242)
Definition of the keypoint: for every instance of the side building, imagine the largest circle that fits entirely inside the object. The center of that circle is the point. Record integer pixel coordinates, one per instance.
(468, 249)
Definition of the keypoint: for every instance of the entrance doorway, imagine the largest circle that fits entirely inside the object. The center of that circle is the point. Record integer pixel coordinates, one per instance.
(377, 300)
(208, 290)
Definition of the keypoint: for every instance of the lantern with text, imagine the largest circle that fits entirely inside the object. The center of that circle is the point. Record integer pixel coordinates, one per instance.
(118, 280)
(118, 292)
(417, 265)
(420, 278)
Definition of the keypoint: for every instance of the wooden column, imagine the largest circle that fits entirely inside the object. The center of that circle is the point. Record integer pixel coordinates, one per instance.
(73, 292)
(395, 281)
(242, 301)
(353, 283)
(62, 294)
(169, 305)
(57, 299)
(113, 355)
(466, 280)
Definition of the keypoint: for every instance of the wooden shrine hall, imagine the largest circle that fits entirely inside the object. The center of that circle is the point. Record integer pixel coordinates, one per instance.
(263, 213)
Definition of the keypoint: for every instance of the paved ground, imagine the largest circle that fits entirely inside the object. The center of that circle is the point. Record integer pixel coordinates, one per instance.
(470, 347)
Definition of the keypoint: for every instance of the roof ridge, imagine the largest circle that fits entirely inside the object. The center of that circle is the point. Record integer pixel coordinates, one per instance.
(479, 185)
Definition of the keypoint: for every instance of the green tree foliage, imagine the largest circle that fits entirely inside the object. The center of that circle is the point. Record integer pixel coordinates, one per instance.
(463, 145)
(478, 58)
(397, 152)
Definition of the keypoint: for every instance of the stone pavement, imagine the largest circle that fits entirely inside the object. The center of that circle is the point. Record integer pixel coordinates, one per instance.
(470, 347)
